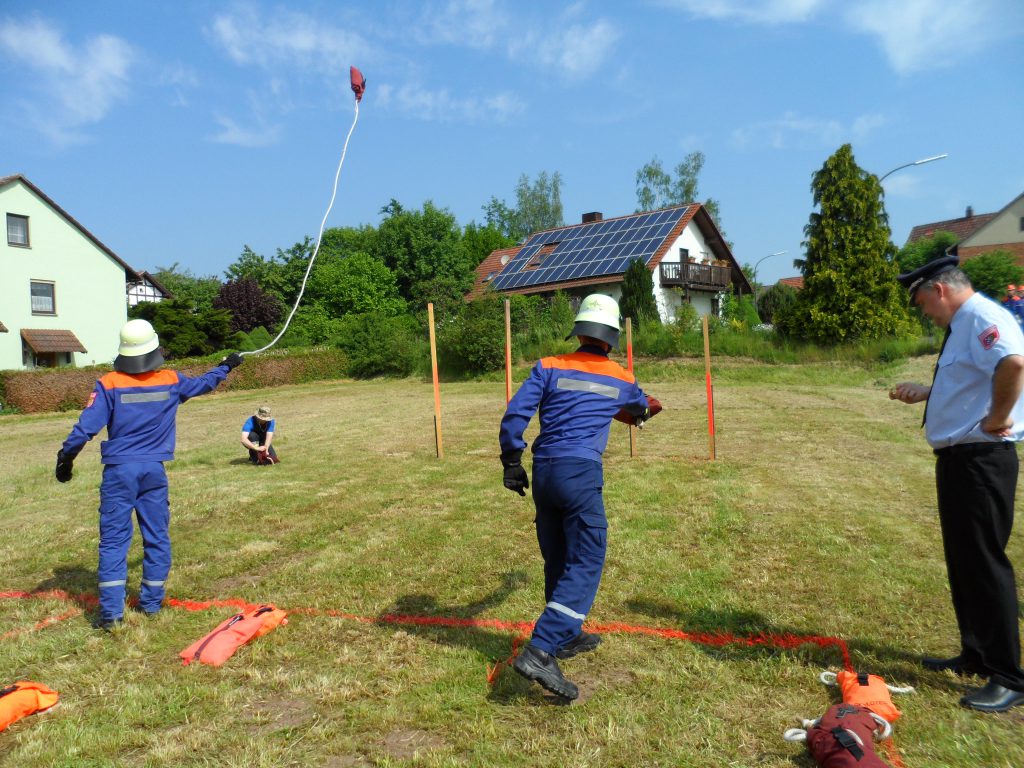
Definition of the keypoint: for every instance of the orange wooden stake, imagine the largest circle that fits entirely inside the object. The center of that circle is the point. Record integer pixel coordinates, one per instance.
(508, 350)
(711, 397)
(437, 387)
(629, 367)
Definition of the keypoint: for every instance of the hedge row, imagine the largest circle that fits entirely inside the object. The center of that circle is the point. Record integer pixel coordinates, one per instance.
(67, 389)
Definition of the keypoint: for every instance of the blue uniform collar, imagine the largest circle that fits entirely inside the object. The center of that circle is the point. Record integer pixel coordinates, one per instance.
(592, 349)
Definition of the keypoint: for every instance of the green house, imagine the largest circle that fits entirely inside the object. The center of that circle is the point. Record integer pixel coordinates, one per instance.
(62, 294)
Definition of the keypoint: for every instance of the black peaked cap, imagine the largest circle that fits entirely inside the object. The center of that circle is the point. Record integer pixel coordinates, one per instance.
(914, 280)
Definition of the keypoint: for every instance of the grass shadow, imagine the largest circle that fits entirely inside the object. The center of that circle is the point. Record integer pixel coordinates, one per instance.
(493, 645)
(895, 665)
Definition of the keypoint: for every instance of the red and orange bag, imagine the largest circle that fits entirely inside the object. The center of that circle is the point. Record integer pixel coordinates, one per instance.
(218, 646)
(22, 699)
(869, 691)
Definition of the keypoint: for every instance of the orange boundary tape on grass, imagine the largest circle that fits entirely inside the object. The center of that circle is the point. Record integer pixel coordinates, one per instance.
(785, 641)
(519, 629)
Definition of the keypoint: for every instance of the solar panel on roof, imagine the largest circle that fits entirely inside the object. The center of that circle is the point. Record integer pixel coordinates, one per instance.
(589, 250)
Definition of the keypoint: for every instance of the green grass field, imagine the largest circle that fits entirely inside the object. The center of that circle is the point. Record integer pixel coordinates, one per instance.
(817, 519)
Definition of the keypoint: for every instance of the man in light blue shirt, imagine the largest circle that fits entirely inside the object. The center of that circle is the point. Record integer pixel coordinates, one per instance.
(973, 419)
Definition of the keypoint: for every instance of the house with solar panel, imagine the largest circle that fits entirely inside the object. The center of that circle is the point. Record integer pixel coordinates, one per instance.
(62, 296)
(689, 260)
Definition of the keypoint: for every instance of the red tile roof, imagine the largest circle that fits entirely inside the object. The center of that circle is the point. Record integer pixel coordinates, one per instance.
(963, 227)
(45, 340)
(490, 266)
(793, 282)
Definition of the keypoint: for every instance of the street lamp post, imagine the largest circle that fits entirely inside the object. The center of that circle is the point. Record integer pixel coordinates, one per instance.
(757, 264)
(916, 162)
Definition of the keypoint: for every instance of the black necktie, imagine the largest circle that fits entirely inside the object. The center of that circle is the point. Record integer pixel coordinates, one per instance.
(924, 416)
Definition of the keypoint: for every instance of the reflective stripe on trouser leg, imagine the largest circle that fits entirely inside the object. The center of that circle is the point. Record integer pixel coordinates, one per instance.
(117, 499)
(153, 514)
(569, 491)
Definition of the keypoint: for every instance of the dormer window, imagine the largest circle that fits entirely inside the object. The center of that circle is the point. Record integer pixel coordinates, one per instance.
(538, 257)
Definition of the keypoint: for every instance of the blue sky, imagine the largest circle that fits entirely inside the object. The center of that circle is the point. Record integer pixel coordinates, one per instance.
(179, 132)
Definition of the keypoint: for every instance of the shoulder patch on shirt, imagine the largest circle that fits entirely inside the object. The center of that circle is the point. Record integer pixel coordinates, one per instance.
(989, 337)
(92, 399)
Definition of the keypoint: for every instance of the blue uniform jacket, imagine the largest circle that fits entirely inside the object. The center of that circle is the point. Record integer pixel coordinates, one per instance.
(578, 394)
(138, 411)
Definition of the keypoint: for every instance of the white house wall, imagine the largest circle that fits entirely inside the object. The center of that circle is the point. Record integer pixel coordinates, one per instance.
(89, 286)
(1003, 229)
(670, 298)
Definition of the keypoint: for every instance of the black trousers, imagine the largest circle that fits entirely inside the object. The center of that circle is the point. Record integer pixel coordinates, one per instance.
(976, 484)
(256, 437)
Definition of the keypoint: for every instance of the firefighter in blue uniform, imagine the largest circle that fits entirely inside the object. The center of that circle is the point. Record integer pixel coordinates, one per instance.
(578, 395)
(137, 404)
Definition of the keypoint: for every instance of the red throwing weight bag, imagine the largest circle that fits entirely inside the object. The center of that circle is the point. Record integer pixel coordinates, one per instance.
(218, 646)
(23, 699)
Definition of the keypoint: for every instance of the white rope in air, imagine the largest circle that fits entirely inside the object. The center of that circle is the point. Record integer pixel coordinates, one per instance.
(319, 237)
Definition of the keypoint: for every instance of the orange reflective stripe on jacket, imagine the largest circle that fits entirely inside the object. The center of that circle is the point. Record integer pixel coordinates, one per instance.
(22, 699)
(868, 691)
(218, 646)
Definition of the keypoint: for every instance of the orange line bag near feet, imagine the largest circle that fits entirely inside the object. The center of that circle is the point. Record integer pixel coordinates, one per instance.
(218, 646)
(23, 699)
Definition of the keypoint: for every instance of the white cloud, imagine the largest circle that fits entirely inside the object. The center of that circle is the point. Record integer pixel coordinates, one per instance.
(794, 129)
(72, 87)
(750, 11)
(287, 38)
(914, 34)
(440, 105)
(180, 79)
(927, 34)
(474, 23)
(259, 134)
(573, 50)
(573, 42)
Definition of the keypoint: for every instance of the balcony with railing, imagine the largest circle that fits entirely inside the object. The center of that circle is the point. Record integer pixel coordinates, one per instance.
(709, 277)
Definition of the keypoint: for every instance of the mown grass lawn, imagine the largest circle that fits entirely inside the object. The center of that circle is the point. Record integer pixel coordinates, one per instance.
(817, 519)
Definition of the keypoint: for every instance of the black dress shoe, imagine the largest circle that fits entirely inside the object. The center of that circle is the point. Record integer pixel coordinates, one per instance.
(993, 698)
(541, 667)
(956, 664)
(582, 643)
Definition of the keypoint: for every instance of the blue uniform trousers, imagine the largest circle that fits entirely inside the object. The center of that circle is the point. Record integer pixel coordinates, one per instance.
(573, 534)
(141, 486)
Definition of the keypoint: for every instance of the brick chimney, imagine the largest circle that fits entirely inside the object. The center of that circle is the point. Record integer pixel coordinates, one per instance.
(590, 218)
(970, 212)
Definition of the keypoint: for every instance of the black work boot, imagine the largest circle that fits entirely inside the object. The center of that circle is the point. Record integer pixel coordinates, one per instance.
(582, 643)
(541, 667)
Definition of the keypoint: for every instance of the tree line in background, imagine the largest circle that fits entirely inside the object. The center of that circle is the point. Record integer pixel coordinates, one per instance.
(369, 286)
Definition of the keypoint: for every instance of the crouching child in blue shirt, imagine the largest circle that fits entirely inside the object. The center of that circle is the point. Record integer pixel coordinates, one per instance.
(137, 403)
(578, 395)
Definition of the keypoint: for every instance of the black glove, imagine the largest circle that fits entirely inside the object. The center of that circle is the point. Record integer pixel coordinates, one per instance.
(65, 461)
(515, 476)
(232, 361)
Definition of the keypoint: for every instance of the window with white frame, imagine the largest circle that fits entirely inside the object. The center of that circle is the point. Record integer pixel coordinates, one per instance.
(43, 298)
(17, 230)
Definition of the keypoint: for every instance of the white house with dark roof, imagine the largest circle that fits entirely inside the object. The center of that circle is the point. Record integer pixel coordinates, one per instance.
(689, 259)
(62, 296)
(146, 288)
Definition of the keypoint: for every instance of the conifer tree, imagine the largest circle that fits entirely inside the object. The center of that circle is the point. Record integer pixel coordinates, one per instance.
(638, 294)
(850, 290)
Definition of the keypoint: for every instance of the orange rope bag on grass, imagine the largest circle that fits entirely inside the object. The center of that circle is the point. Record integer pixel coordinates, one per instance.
(22, 699)
(218, 646)
(866, 690)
